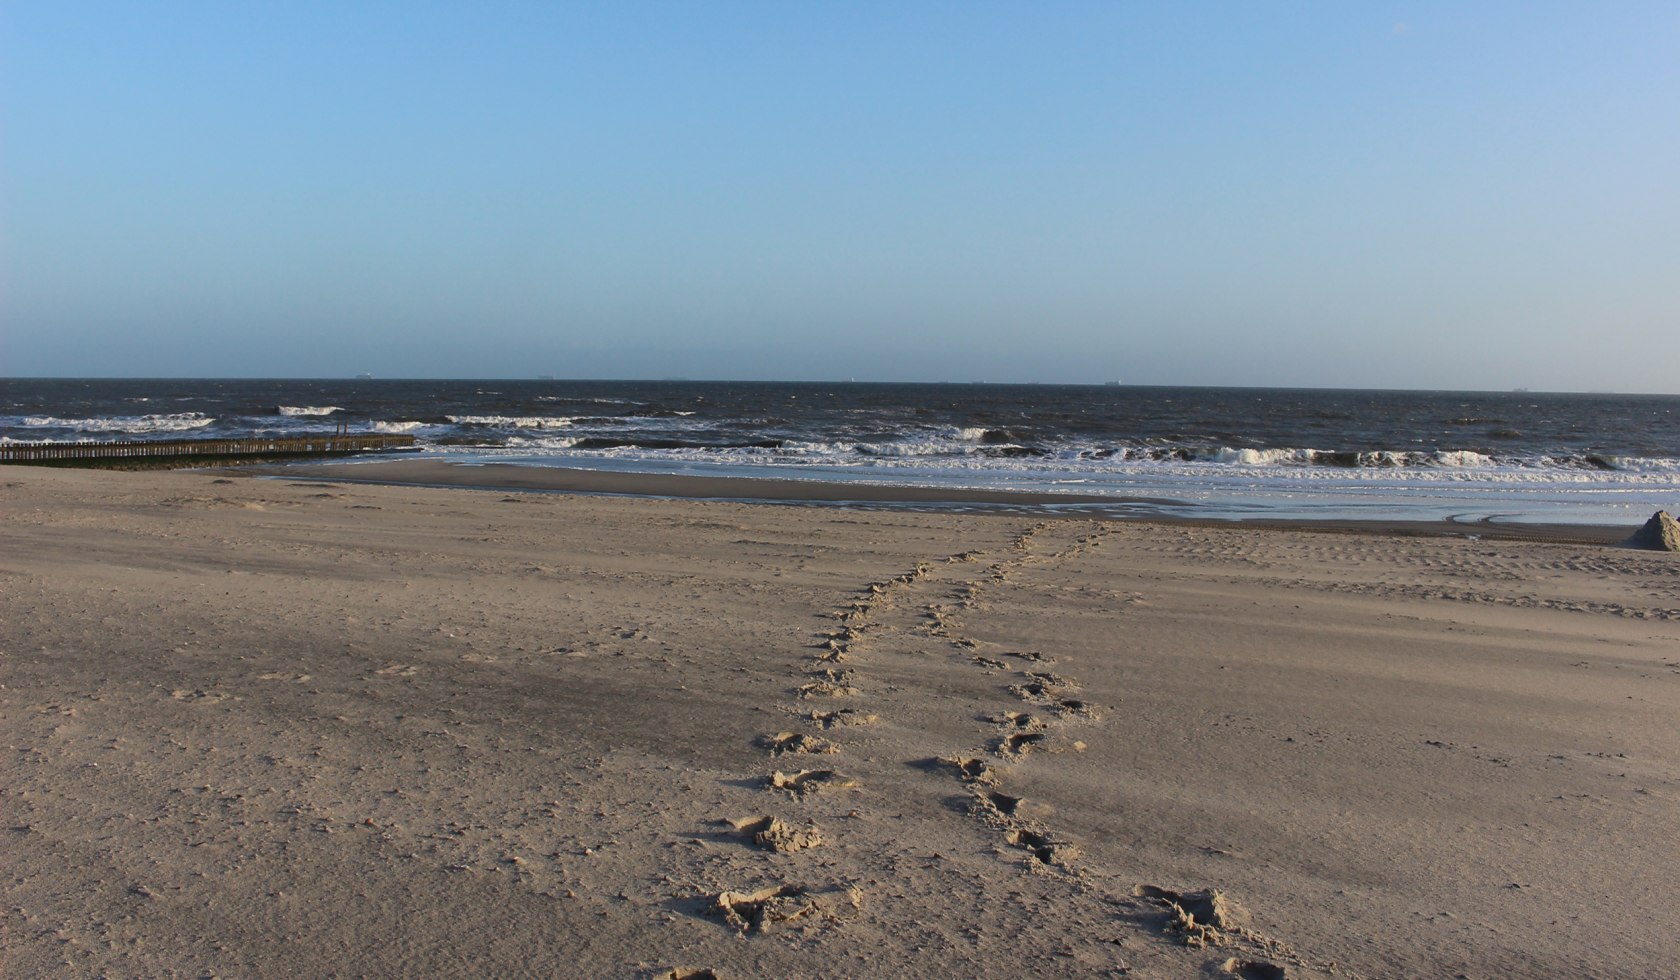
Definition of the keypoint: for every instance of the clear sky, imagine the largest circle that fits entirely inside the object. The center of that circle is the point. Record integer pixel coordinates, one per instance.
(1420, 195)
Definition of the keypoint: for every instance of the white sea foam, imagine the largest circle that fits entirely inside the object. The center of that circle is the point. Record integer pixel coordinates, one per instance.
(1462, 458)
(1265, 457)
(309, 409)
(543, 443)
(1630, 464)
(380, 425)
(510, 422)
(180, 422)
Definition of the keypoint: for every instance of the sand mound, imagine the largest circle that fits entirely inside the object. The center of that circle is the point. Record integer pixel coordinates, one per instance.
(1660, 533)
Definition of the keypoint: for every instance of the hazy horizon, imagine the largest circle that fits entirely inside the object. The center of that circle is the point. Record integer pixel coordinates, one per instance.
(557, 379)
(1417, 197)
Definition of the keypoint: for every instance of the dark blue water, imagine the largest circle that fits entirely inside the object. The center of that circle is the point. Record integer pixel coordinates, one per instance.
(1593, 458)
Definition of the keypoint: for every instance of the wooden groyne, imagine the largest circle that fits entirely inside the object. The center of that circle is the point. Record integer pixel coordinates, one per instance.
(198, 452)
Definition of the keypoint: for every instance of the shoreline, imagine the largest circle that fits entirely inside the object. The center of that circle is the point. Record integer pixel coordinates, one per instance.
(578, 480)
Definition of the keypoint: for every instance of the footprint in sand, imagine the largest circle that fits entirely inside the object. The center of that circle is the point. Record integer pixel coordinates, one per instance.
(293, 678)
(773, 835)
(1253, 969)
(841, 718)
(197, 696)
(970, 770)
(825, 689)
(1042, 846)
(1200, 917)
(398, 670)
(754, 913)
(1017, 744)
(993, 804)
(794, 743)
(1043, 688)
(806, 782)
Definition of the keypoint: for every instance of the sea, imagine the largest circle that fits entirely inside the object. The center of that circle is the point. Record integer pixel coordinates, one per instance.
(1222, 453)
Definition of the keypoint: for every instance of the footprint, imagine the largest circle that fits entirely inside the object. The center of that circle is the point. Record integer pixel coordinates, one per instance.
(1253, 969)
(1199, 916)
(1043, 688)
(970, 770)
(1068, 707)
(994, 804)
(754, 913)
(294, 678)
(841, 718)
(1017, 744)
(198, 695)
(794, 743)
(842, 675)
(825, 689)
(397, 670)
(778, 837)
(1043, 847)
(806, 782)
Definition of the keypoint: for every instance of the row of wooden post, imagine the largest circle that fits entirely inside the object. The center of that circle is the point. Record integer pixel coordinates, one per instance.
(335, 442)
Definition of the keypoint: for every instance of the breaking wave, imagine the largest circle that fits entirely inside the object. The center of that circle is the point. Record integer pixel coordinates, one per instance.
(129, 424)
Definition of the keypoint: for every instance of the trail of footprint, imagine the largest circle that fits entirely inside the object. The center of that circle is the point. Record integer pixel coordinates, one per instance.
(1198, 918)
(754, 912)
(1017, 733)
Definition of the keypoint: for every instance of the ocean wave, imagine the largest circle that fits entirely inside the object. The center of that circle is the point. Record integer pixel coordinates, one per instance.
(978, 448)
(511, 422)
(134, 424)
(380, 425)
(313, 410)
(543, 444)
(1102, 464)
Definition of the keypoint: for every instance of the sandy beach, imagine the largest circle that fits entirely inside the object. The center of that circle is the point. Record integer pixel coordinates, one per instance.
(306, 726)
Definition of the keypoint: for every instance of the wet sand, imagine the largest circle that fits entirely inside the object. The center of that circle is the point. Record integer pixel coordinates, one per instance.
(557, 479)
(302, 725)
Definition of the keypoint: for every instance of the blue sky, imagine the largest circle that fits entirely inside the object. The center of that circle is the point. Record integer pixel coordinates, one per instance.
(1323, 194)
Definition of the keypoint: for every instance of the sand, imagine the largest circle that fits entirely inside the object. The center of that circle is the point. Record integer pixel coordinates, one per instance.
(276, 727)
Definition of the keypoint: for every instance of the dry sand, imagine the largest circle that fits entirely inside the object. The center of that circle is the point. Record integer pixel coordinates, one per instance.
(299, 727)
